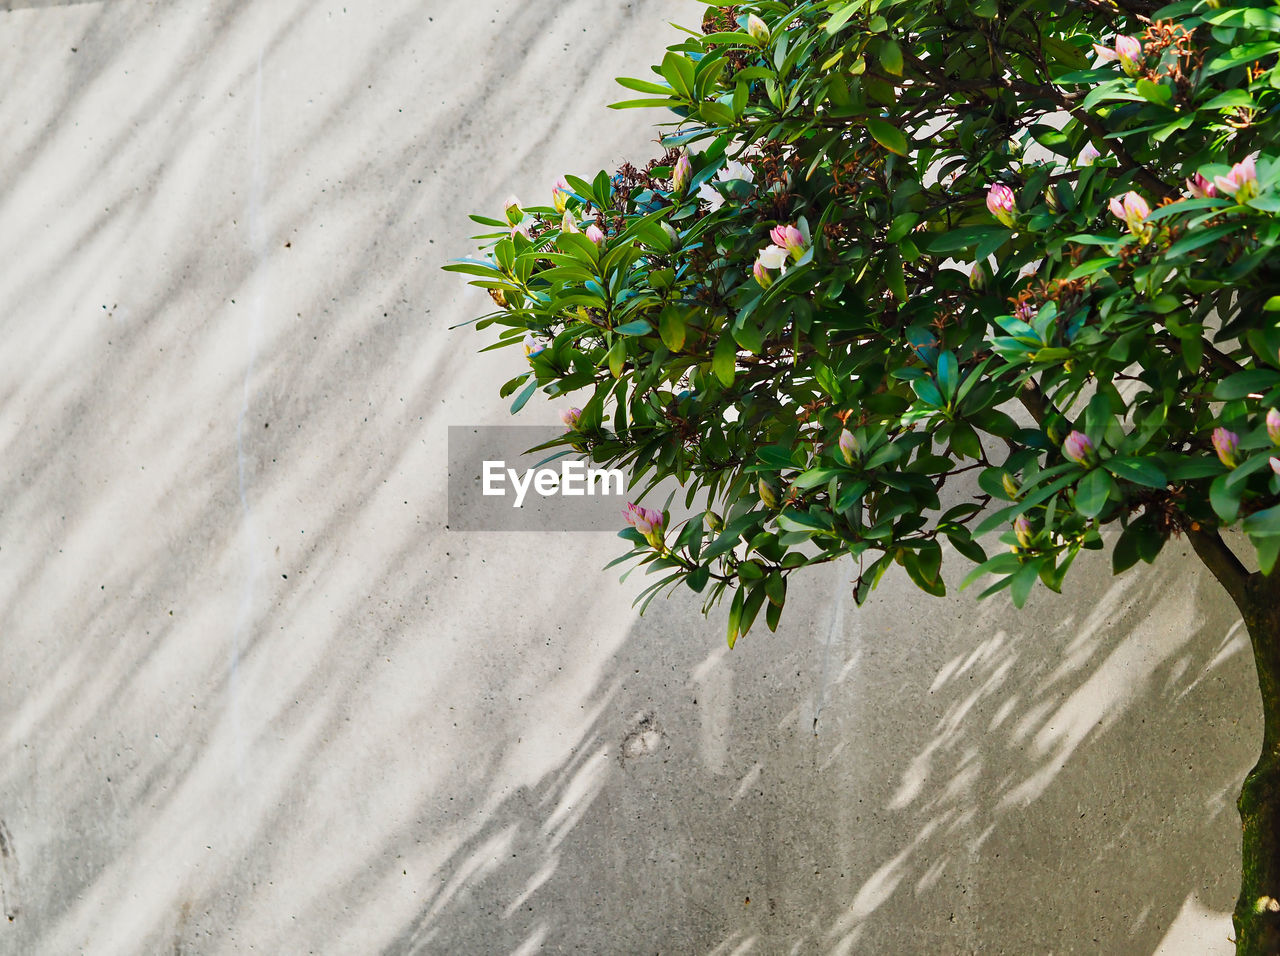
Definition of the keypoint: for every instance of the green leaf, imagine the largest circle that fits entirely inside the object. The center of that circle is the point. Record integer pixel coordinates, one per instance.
(841, 17)
(647, 103)
(725, 360)
(1225, 498)
(775, 588)
(672, 329)
(1231, 99)
(525, 394)
(638, 327)
(1091, 267)
(617, 357)
(1268, 550)
(643, 86)
(891, 60)
(772, 615)
(1092, 492)
(1238, 56)
(1021, 584)
(1156, 93)
(731, 534)
(1263, 523)
(1202, 237)
(735, 616)
(1242, 384)
(678, 71)
(948, 374)
(816, 476)
(958, 239)
(1142, 471)
(887, 135)
(1003, 563)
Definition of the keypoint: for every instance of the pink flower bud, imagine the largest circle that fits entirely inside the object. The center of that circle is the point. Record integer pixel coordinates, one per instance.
(1076, 447)
(758, 29)
(1201, 188)
(571, 417)
(768, 496)
(513, 210)
(1226, 444)
(762, 274)
(648, 522)
(645, 520)
(1088, 155)
(1133, 210)
(1022, 530)
(1128, 50)
(848, 446)
(978, 277)
(568, 223)
(1001, 203)
(1241, 183)
(595, 234)
(1273, 426)
(533, 344)
(789, 238)
(1275, 464)
(681, 173)
(522, 228)
(560, 194)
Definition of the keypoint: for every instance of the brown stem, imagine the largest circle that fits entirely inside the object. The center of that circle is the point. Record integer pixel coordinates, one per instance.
(1223, 362)
(1034, 401)
(1141, 174)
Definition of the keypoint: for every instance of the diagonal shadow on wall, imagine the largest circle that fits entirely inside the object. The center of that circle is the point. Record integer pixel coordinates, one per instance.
(980, 781)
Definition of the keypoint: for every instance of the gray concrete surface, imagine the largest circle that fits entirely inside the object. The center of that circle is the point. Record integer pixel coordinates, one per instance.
(255, 698)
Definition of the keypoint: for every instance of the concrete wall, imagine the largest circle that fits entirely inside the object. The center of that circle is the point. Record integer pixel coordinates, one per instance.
(255, 697)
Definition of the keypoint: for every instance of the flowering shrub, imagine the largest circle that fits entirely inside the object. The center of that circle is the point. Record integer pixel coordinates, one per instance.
(792, 271)
(911, 277)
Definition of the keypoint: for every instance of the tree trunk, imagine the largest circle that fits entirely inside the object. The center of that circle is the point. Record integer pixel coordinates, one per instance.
(1257, 914)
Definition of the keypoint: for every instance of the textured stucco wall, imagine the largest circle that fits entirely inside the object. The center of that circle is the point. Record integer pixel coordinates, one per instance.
(255, 698)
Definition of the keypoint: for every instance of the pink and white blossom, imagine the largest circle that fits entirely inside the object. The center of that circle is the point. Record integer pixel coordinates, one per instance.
(1201, 188)
(1132, 210)
(1001, 203)
(789, 238)
(1128, 50)
(1241, 183)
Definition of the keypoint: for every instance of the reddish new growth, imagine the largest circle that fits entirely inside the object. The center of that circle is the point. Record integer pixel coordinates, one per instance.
(720, 20)
(1170, 45)
(772, 170)
(725, 20)
(627, 179)
(1068, 294)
